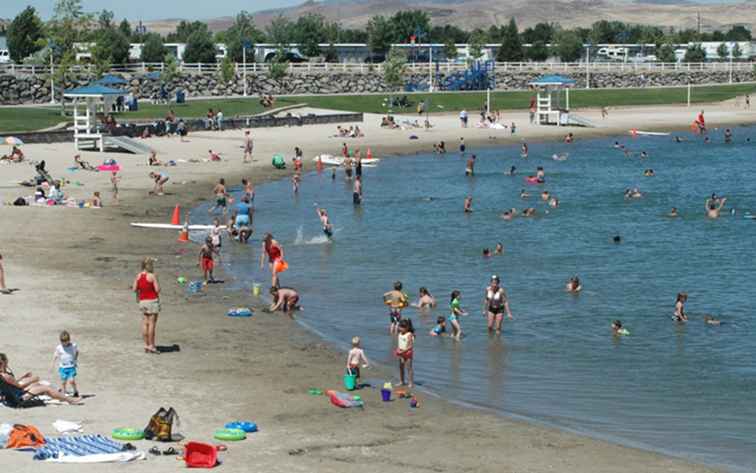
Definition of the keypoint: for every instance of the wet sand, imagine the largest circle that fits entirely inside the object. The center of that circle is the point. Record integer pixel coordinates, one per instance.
(74, 268)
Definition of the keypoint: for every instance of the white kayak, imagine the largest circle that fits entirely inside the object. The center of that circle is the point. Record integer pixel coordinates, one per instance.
(648, 133)
(330, 160)
(168, 226)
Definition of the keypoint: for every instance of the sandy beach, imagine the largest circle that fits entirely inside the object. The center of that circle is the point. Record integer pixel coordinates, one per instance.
(74, 268)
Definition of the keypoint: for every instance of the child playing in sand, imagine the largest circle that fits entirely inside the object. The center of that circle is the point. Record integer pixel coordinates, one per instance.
(67, 356)
(405, 351)
(160, 178)
(114, 180)
(206, 260)
(440, 329)
(355, 358)
(396, 300)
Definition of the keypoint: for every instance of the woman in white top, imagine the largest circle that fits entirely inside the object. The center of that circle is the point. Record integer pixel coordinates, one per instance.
(496, 303)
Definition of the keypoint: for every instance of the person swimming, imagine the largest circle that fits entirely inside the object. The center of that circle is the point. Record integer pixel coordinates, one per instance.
(486, 252)
(468, 204)
(524, 194)
(618, 329)
(649, 173)
(512, 171)
(499, 250)
(324, 221)
(709, 320)
(680, 315)
(507, 215)
(617, 239)
(714, 206)
(727, 136)
(633, 193)
(425, 299)
(545, 196)
(529, 212)
(524, 150)
(440, 329)
(553, 202)
(573, 285)
(673, 213)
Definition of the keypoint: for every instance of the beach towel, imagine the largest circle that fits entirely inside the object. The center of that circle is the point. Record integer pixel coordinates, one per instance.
(84, 449)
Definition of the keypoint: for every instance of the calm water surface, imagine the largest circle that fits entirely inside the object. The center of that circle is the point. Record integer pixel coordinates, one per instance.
(688, 390)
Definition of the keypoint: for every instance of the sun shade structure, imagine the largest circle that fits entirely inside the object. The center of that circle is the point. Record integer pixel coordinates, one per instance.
(548, 99)
(90, 97)
(110, 80)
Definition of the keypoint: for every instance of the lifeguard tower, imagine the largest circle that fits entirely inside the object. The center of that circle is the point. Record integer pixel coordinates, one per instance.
(549, 106)
(87, 102)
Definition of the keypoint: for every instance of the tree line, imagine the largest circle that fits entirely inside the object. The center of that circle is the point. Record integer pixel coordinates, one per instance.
(28, 36)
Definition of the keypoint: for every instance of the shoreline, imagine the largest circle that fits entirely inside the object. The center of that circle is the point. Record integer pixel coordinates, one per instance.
(306, 433)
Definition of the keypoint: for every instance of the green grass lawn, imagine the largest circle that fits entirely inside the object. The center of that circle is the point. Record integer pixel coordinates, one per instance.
(26, 118)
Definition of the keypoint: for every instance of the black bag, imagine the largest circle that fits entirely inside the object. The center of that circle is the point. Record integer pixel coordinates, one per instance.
(160, 427)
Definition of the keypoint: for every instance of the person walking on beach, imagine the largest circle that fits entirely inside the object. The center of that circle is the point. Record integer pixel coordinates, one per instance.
(114, 180)
(455, 307)
(3, 288)
(147, 291)
(396, 300)
(355, 358)
(357, 191)
(496, 303)
(221, 196)
(248, 147)
(405, 351)
(67, 356)
(273, 250)
(463, 118)
(206, 262)
(680, 315)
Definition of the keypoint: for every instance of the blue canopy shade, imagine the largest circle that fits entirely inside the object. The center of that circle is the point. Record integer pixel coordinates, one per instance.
(110, 79)
(95, 90)
(553, 79)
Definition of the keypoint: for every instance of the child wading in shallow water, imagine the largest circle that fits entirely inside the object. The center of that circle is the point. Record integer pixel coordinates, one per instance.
(405, 351)
(396, 300)
(456, 311)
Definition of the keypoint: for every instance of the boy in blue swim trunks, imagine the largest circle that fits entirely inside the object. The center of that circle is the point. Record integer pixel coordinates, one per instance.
(67, 356)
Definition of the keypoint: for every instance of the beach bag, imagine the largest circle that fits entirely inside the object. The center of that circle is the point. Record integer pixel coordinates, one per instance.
(160, 427)
(24, 436)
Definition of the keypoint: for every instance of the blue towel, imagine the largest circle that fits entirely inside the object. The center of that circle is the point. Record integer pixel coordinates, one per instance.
(79, 445)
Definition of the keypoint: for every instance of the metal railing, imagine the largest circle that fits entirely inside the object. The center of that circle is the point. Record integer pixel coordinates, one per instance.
(419, 67)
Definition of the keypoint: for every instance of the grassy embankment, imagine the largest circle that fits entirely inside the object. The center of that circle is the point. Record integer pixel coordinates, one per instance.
(28, 118)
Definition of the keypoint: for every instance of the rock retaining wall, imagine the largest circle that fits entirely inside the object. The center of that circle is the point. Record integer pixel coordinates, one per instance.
(22, 89)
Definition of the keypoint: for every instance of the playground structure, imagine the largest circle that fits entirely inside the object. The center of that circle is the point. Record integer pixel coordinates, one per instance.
(480, 75)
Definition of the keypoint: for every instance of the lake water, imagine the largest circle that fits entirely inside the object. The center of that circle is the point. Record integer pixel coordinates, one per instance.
(684, 389)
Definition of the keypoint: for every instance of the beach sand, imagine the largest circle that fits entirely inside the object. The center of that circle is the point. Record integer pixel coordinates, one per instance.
(74, 268)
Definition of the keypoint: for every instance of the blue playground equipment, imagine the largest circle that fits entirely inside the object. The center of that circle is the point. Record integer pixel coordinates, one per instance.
(479, 76)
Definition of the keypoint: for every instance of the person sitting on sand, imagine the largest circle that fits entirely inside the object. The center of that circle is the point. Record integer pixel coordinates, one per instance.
(29, 386)
(673, 213)
(709, 320)
(285, 299)
(96, 200)
(573, 285)
(468, 204)
(160, 179)
(714, 206)
(81, 164)
(16, 155)
(680, 315)
(153, 160)
(213, 156)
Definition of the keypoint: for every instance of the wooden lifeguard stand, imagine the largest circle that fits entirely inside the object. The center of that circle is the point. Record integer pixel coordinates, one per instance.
(87, 101)
(549, 110)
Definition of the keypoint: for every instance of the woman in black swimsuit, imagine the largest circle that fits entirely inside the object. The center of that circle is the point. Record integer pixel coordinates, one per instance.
(496, 303)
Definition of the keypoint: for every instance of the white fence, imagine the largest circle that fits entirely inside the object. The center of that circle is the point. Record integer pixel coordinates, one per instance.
(294, 68)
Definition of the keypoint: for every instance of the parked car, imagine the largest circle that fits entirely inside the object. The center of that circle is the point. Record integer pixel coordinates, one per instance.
(4, 56)
(375, 59)
(289, 56)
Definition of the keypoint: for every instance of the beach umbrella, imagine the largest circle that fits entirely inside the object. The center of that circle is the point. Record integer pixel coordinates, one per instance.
(13, 141)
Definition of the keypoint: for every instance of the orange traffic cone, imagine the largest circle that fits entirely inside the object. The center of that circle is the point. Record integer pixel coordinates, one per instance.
(184, 233)
(176, 219)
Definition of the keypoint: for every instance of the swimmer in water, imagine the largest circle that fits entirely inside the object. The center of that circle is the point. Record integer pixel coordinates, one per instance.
(470, 167)
(709, 320)
(524, 150)
(673, 213)
(495, 305)
(499, 250)
(545, 196)
(524, 194)
(707, 140)
(649, 173)
(468, 204)
(512, 171)
(425, 300)
(633, 193)
(714, 206)
(617, 145)
(573, 285)
(486, 252)
(643, 155)
(507, 215)
(440, 329)
(680, 315)
(325, 222)
(618, 329)
(727, 136)
(540, 174)
(333, 174)
(617, 239)
(569, 138)
(529, 212)
(553, 202)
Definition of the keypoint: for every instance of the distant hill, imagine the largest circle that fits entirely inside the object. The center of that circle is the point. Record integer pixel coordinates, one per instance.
(483, 13)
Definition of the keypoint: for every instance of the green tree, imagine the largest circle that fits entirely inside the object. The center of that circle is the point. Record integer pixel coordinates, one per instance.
(450, 50)
(380, 34)
(738, 33)
(280, 30)
(736, 52)
(111, 47)
(540, 32)
(331, 55)
(666, 53)
(569, 46)
(125, 28)
(200, 47)
(393, 68)
(153, 49)
(442, 34)
(406, 23)
(475, 45)
(68, 25)
(723, 52)
(695, 53)
(24, 33)
(170, 68)
(279, 65)
(242, 31)
(309, 31)
(227, 70)
(105, 20)
(185, 29)
(511, 47)
(538, 51)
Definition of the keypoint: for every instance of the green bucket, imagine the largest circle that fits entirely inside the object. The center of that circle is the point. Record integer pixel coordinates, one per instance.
(350, 382)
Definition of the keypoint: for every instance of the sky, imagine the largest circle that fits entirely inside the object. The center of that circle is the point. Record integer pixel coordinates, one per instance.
(151, 9)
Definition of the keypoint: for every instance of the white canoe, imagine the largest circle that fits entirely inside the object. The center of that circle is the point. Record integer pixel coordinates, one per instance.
(330, 160)
(168, 226)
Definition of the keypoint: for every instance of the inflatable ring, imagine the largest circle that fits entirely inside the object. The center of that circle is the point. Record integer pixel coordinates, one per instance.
(247, 427)
(230, 435)
(128, 434)
(315, 392)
